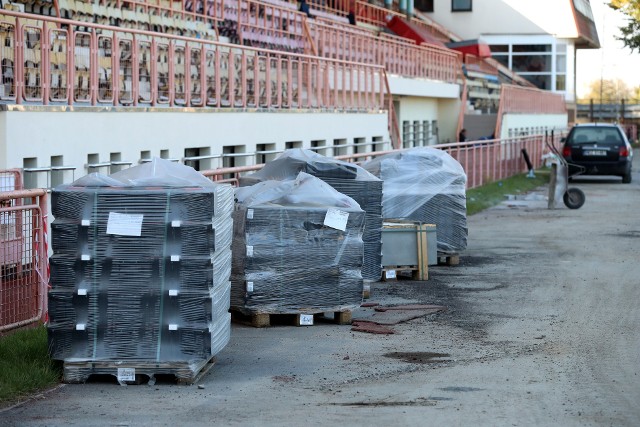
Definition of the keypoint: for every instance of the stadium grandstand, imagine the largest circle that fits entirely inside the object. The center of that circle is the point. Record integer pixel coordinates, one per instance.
(226, 85)
(97, 86)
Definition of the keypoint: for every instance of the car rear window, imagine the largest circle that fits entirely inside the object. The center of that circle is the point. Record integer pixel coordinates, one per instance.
(595, 135)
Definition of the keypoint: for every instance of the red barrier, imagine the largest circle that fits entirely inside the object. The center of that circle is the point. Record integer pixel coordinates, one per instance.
(483, 161)
(23, 258)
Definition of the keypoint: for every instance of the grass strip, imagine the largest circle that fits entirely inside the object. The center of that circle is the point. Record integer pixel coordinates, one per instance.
(486, 196)
(25, 365)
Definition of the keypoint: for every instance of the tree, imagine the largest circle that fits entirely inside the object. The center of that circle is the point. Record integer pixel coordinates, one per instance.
(630, 32)
(613, 92)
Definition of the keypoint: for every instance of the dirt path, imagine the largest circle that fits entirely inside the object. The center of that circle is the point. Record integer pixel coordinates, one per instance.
(541, 329)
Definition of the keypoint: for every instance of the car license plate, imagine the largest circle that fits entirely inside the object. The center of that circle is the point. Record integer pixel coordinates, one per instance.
(594, 153)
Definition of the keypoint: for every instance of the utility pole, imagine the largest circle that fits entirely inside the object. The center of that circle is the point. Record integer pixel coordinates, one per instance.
(600, 107)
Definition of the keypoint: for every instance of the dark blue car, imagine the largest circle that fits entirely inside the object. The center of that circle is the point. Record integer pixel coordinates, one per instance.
(599, 148)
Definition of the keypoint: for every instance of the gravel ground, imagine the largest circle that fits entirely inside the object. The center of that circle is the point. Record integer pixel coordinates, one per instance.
(541, 329)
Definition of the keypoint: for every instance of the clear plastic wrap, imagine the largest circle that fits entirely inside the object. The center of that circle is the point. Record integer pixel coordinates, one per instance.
(349, 179)
(429, 186)
(286, 259)
(140, 268)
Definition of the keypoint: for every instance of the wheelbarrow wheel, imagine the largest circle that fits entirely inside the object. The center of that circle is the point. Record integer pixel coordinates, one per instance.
(574, 198)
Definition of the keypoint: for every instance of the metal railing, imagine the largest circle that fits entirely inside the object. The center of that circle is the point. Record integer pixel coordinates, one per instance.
(262, 24)
(106, 65)
(11, 180)
(398, 55)
(474, 63)
(23, 258)
(376, 15)
(518, 99)
(483, 161)
(165, 16)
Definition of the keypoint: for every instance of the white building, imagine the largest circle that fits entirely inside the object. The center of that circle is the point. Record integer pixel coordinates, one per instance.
(537, 39)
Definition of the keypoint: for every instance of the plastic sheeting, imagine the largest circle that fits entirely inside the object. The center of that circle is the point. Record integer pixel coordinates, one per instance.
(429, 186)
(140, 267)
(348, 179)
(286, 259)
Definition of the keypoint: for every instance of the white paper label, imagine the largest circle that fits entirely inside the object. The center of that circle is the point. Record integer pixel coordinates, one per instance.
(249, 213)
(337, 219)
(306, 319)
(249, 286)
(86, 222)
(249, 250)
(173, 292)
(175, 258)
(176, 224)
(390, 274)
(126, 374)
(173, 327)
(80, 327)
(124, 224)
(82, 291)
(85, 258)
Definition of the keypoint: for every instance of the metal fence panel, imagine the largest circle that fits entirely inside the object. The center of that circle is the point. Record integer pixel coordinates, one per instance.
(22, 266)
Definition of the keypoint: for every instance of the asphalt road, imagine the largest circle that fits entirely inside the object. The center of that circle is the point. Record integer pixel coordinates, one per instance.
(541, 329)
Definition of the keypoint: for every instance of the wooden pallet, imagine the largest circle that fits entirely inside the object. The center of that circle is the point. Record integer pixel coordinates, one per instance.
(448, 259)
(392, 273)
(185, 373)
(263, 320)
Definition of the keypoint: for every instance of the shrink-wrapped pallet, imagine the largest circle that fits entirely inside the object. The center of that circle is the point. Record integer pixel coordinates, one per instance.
(347, 178)
(297, 248)
(140, 268)
(426, 185)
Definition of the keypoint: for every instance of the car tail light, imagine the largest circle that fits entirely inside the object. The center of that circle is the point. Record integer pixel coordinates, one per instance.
(566, 151)
(623, 151)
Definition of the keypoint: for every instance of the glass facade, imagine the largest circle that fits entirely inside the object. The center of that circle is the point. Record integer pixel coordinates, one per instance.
(544, 65)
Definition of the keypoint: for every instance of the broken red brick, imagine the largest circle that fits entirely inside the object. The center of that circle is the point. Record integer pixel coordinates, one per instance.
(369, 304)
(429, 307)
(370, 328)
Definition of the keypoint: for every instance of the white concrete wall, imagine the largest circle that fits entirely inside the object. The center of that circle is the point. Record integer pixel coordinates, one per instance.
(421, 87)
(570, 93)
(494, 17)
(420, 100)
(445, 111)
(448, 112)
(42, 132)
(523, 122)
(414, 108)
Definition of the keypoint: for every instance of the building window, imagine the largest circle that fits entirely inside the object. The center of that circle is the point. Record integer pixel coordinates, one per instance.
(378, 143)
(407, 134)
(426, 132)
(30, 179)
(289, 145)
(423, 5)
(319, 146)
(265, 153)
(544, 65)
(339, 147)
(461, 5)
(198, 158)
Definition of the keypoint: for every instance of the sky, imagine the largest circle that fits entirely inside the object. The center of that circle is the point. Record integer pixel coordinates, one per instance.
(612, 61)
